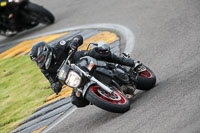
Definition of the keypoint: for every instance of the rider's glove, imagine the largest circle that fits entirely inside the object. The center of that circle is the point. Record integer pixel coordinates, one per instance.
(56, 86)
(76, 42)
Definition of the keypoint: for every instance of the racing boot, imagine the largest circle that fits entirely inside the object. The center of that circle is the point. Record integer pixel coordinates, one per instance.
(78, 100)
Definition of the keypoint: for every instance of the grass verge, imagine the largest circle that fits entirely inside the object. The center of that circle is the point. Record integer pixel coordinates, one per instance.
(23, 88)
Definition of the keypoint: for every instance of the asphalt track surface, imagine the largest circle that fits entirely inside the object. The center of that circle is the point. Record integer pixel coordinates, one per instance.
(167, 40)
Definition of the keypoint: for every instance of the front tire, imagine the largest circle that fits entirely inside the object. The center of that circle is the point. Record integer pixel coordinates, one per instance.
(41, 14)
(116, 102)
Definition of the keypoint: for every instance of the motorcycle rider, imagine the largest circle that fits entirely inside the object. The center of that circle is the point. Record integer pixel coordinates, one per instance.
(9, 17)
(49, 59)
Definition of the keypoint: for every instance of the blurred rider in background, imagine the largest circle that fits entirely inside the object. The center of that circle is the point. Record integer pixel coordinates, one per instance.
(6, 16)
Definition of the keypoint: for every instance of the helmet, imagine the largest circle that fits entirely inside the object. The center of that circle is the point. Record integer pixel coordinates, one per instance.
(41, 54)
(104, 48)
(101, 52)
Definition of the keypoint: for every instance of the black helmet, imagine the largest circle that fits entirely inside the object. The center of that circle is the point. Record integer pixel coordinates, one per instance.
(41, 54)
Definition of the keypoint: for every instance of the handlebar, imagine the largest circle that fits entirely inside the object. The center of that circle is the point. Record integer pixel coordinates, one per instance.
(93, 43)
(72, 53)
(67, 60)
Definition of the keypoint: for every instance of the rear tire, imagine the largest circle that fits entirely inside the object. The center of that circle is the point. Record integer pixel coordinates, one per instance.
(105, 103)
(146, 80)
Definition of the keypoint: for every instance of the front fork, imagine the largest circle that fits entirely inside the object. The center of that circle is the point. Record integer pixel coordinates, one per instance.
(93, 80)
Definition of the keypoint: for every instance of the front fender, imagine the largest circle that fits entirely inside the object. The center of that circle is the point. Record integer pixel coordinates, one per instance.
(86, 86)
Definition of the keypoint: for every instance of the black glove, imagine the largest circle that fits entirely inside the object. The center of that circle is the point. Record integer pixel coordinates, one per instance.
(76, 42)
(56, 86)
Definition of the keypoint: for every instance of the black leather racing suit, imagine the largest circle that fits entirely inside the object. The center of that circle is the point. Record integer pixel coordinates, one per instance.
(60, 53)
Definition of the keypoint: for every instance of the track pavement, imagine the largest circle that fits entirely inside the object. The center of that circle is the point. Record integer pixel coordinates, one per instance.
(167, 40)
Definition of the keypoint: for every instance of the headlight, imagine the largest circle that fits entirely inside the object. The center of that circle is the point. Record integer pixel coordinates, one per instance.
(73, 79)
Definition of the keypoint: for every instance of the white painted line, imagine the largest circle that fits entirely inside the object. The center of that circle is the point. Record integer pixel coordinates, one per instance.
(62, 117)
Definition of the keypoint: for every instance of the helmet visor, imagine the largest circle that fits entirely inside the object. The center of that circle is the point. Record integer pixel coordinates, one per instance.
(40, 61)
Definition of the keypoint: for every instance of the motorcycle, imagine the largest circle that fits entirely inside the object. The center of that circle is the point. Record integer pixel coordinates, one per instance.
(107, 85)
(19, 15)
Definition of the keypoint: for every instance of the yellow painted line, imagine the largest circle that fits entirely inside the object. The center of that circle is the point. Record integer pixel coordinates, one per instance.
(39, 130)
(25, 46)
(105, 36)
(64, 90)
(58, 98)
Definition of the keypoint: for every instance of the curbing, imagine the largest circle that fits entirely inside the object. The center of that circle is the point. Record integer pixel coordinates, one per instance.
(127, 36)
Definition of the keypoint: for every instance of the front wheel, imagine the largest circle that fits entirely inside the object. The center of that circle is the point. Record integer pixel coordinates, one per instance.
(115, 102)
(40, 14)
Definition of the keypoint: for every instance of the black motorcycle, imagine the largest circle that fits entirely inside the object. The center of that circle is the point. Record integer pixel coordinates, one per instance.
(19, 15)
(107, 85)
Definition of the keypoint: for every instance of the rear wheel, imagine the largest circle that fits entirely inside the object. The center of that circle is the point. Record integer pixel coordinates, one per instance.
(115, 102)
(146, 79)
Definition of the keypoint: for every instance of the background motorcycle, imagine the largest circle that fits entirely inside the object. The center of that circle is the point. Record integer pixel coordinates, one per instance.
(19, 15)
(107, 85)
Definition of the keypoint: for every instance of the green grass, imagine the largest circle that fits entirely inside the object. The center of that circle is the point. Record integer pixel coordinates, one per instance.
(23, 89)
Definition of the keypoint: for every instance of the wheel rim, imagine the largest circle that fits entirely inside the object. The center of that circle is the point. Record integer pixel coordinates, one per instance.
(115, 98)
(146, 74)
